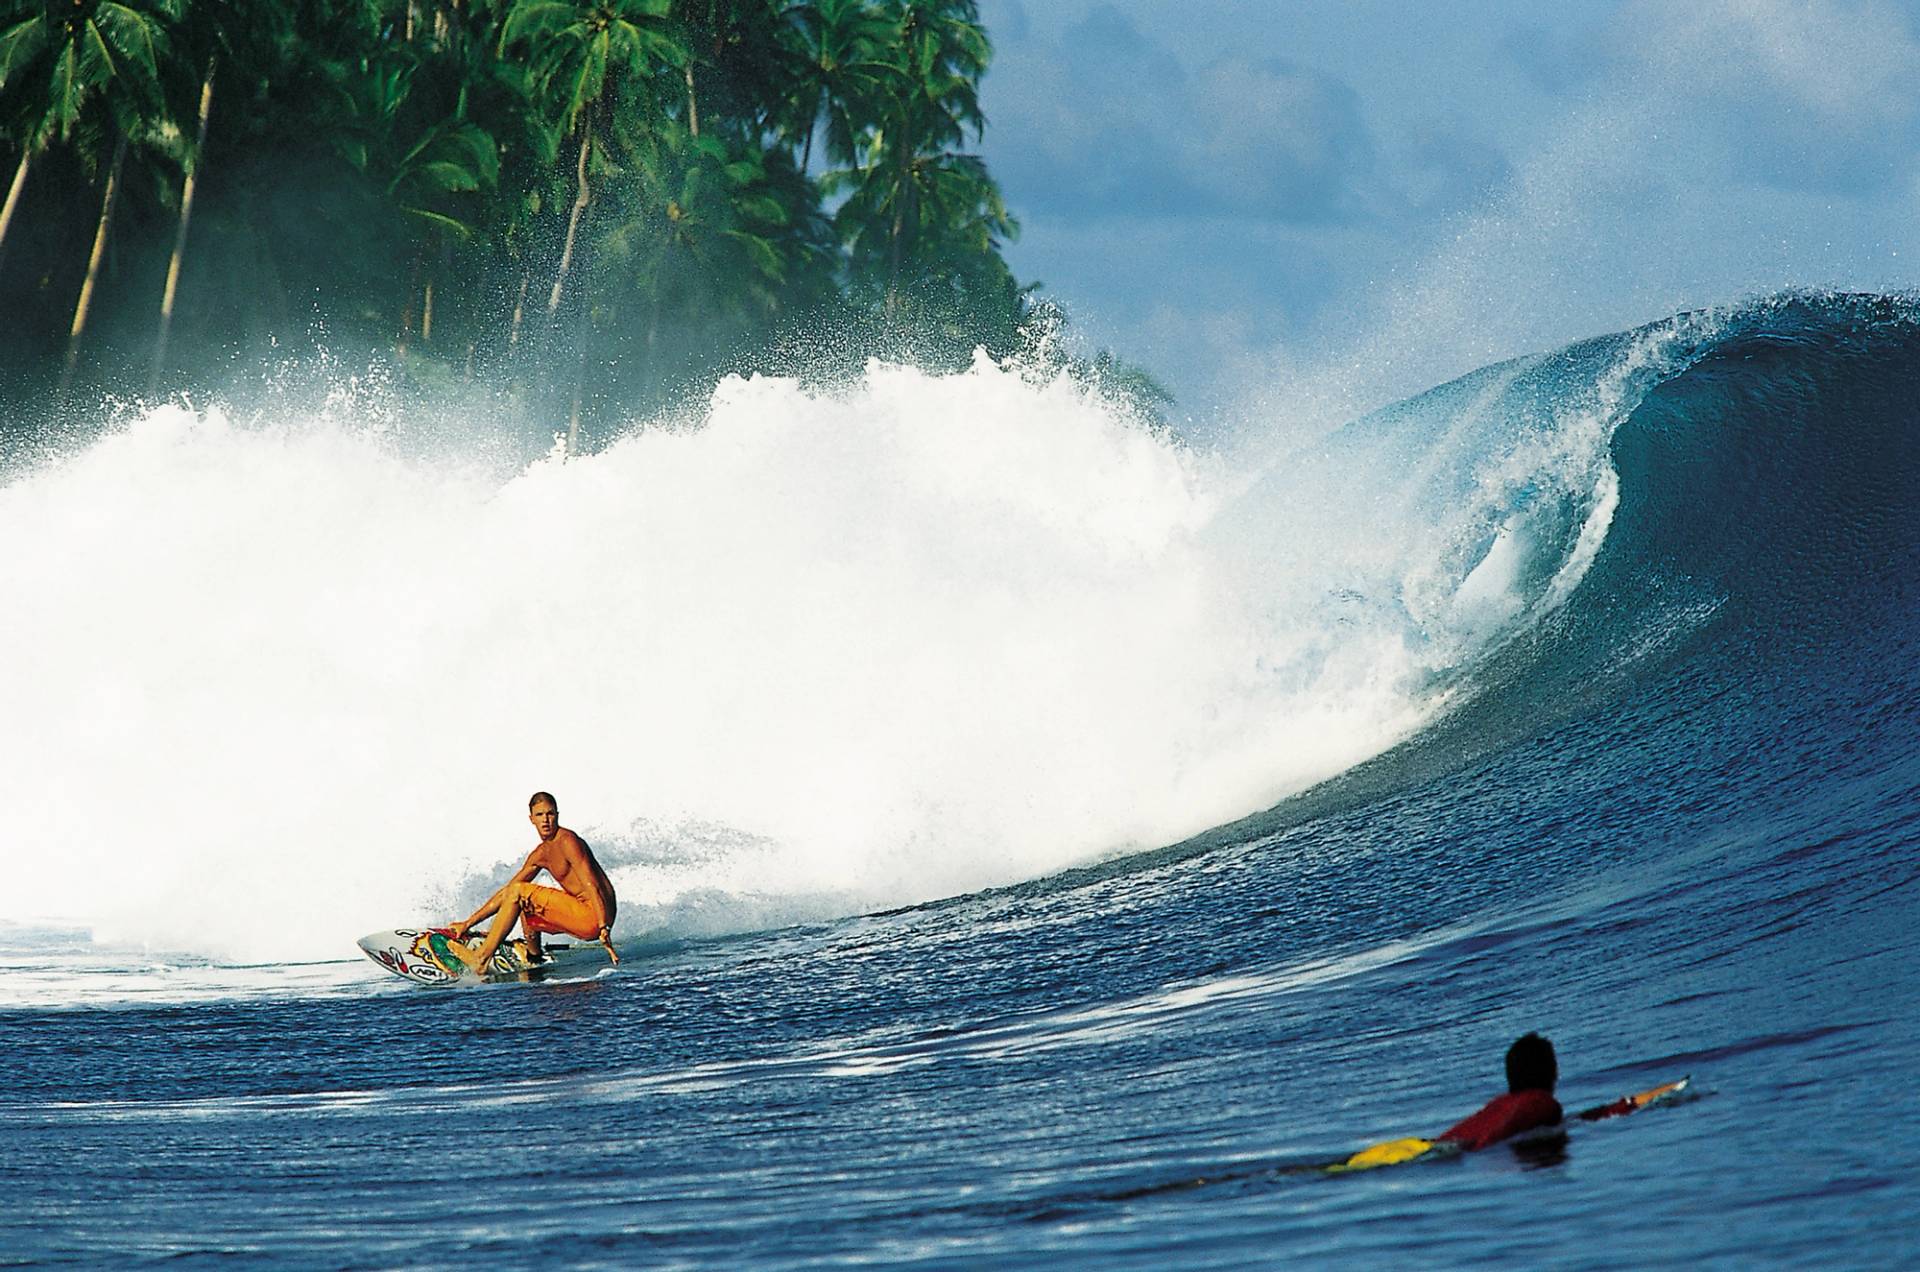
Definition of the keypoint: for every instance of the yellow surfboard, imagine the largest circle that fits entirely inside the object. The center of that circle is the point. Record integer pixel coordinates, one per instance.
(1389, 1153)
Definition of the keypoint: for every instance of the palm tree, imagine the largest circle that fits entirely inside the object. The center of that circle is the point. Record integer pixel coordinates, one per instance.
(744, 58)
(419, 166)
(349, 155)
(918, 211)
(841, 46)
(460, 71)
(39, 109)
(188, 185)
(913, 194)
(98, 59)
(945, 52)
(453, 157)
(56, 63)
(20, 47)
(249, 41)
(720, 228)
(587, 59)
(15, 188)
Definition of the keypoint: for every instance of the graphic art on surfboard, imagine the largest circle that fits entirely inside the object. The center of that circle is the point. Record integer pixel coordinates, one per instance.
(423, 955)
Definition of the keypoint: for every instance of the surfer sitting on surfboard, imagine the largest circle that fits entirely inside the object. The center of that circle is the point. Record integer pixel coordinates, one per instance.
(583, 905)
(1527, 1105)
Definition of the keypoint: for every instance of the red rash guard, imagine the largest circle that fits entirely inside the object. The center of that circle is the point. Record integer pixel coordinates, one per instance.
(1505, 1116)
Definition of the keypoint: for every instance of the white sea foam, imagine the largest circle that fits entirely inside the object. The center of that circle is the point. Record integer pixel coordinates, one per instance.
(269, 686)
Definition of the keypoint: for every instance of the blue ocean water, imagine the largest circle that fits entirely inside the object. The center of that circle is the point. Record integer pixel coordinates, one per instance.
(1666, 815)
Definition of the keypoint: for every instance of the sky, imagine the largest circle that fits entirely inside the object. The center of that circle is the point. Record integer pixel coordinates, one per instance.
(1299, 205)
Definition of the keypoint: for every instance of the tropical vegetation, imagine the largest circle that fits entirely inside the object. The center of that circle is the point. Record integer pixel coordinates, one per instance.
(598, 204)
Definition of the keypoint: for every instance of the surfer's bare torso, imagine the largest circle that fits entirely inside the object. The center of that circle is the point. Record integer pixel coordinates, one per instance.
(563, 855)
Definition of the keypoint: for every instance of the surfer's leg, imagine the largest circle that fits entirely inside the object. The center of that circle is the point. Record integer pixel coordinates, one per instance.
(554, 910)
(557, 910)
(534, 926)
(506, 912)
(487, 908)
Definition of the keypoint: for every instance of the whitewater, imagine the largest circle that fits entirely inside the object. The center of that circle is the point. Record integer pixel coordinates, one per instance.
(805, 654)
(1038, 840)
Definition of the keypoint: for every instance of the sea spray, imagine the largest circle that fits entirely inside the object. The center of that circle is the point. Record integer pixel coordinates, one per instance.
(270, 685)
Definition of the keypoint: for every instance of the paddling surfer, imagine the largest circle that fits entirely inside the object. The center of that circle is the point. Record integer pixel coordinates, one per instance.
(1528, 1104)
(582, 906)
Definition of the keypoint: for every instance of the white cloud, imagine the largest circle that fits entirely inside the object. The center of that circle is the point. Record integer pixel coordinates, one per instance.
(1844, 61)
(1800, 94)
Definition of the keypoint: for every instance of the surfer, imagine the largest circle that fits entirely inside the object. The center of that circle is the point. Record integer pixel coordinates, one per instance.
(583, 905)
(1527, 1105)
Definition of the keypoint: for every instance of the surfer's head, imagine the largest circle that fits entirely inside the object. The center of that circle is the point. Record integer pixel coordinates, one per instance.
(1530, 1065)
(543, 810)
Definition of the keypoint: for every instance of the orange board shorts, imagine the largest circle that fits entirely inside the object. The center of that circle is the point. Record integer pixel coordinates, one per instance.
(547, 909)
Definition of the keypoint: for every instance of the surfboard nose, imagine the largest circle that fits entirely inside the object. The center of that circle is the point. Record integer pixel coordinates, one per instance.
(404, 952)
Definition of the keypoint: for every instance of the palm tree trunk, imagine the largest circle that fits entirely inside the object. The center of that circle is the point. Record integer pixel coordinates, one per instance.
(693, 104)
(813, 126)
(519, 311)
(85, 303)
(573, 418)
(426, 316)
(893, 256)
(406, 311)
(13, 198)
(180, 234)
(441, 266)
(579, 380)
(573, 223)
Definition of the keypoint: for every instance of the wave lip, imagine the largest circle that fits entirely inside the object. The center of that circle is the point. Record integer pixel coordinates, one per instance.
(1753, 521)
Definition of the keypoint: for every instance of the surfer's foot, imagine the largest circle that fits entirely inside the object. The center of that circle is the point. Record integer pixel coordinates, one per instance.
(469, 956)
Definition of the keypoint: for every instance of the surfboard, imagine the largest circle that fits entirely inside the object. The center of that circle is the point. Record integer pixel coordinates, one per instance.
(1401, 1151)
(1390, 1153)
(422, 955)
(1639, 1100)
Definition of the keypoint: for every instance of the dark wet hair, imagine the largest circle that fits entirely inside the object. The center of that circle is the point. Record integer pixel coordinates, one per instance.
(1530, 1064)
(540, 795)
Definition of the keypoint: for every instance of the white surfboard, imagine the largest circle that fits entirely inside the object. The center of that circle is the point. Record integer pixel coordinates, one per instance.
(422, 955)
